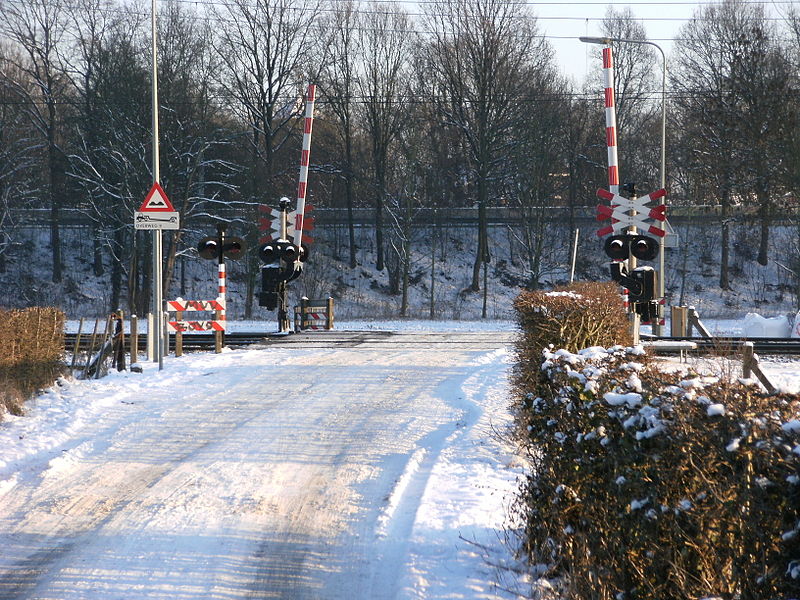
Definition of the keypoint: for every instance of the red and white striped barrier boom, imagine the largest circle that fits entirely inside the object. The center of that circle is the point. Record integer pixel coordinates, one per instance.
(611, 120)
(304, 161)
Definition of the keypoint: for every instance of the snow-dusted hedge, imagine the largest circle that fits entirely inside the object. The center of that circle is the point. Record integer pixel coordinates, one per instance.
(31, 348)
(573, 317)
(31, 335)
(651, 485)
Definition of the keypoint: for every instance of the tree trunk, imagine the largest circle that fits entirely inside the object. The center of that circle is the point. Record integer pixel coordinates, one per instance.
(133, 281)
(55, 191)
(254, 269)
(406, 257)
(349, 196)
(172, 252)
(97, 252)
(146, 271)
(380, 181)
(481, 254)
(724, 281)
(765, 216)
(116, 270)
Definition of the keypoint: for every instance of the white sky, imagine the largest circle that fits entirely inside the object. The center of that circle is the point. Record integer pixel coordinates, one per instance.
(565, 21)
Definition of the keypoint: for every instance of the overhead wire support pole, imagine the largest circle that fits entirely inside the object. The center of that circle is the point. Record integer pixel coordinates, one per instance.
(158, 301)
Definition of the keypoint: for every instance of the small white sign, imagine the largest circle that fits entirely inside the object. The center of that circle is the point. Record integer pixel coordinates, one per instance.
(156, 220)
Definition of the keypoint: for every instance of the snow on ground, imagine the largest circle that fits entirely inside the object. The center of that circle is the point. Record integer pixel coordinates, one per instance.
(303, 473)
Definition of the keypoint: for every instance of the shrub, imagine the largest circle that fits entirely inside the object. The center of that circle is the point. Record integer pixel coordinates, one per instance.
(31, 350)
(647, 485)
(573, 317)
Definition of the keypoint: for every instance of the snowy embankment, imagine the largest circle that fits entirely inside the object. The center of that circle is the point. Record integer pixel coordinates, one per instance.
(310, 473)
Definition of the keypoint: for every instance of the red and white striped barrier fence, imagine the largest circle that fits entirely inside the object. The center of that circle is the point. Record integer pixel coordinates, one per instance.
(180, 305)
(314, 314)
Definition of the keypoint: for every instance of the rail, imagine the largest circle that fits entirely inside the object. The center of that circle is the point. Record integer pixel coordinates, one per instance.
(731, 345)
(201, 341)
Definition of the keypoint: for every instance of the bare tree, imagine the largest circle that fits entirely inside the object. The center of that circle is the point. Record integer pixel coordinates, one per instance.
(731, 80)
(637, 102)
(386, 45)
(480, 49)
(194, 172)
(110, 160)
(339, 78)
(36, 30)
(536, 167)
(18, 160)
(584, 158)
(267, 51)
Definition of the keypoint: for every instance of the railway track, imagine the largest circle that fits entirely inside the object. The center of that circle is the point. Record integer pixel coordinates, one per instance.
(364, 340)
(478, 340)
(730, 345)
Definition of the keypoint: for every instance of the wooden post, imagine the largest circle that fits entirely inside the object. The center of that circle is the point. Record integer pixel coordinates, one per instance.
(165, 331)
(329, 320)
(119, 349)
(134, 339)
(304, 313)
(747, 360)
(750, 366)
(678, 321)
(150, 337)
(694, 320)
(92, 342)
(106, 338)
(179, 335)
(635, 321)
(77, 346)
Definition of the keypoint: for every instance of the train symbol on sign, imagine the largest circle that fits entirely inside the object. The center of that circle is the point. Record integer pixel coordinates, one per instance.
(141, 218)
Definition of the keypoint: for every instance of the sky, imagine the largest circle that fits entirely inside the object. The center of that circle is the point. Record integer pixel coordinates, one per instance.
(564, 22)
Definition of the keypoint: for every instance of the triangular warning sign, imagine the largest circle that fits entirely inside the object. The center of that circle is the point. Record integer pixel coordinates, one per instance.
(156, 201)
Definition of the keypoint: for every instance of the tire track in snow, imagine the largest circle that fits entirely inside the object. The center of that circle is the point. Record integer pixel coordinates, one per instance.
(272, 487)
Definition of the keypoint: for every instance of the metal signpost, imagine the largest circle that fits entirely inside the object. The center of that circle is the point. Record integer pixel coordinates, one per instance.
(157, 334)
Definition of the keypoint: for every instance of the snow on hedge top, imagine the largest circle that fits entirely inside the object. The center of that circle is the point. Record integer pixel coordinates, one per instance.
(567, 294)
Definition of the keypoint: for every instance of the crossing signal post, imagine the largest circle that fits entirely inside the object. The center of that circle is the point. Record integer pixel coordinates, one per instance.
(283, 262)
(626, 246)
(221, 247)
(641, 282)
(284, 256)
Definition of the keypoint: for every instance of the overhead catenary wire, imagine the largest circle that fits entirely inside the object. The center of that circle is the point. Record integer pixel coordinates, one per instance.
(321, 9)
(325, 99)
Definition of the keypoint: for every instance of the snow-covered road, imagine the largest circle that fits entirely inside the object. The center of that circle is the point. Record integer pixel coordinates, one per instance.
(263, 473)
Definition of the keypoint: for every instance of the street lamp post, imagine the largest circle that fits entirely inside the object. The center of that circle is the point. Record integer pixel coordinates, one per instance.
(606, 41)
(158, 301)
